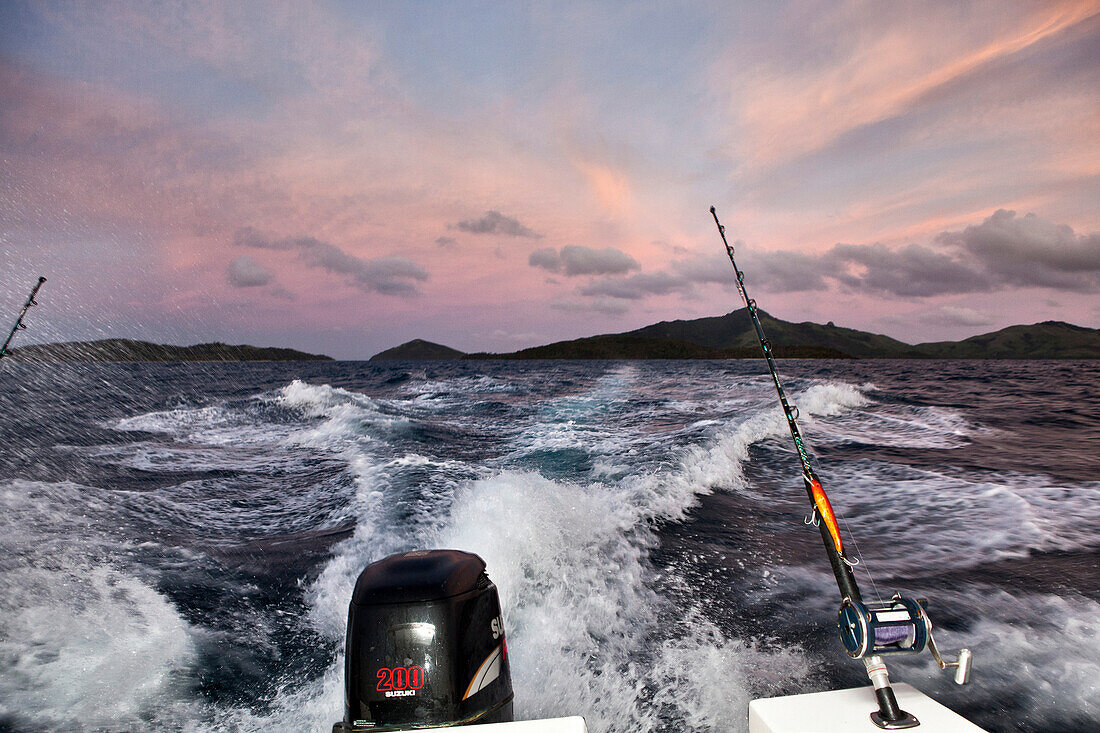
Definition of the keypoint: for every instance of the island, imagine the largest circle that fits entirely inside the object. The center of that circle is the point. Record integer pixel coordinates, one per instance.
(418, 350)
(732, 336)
(128, 350)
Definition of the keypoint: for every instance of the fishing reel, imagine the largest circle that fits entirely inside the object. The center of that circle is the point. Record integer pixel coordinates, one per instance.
(897, 626)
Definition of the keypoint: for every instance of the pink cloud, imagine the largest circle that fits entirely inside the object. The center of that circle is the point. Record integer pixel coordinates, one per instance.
(610, 186)
(888, 64)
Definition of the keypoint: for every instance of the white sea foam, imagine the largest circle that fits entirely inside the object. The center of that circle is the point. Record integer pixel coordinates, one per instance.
(295, 707)
(1059, 645)
(90, 645)
(587, 421)
(571, 564)
(830, 398)
(85, 643)
(176, 420)
(218, 426)
(187, 457)
(347, 418)
(460, 387)
(1029, 649)
(719, 463)
(900, 426)
(709, 680)
(917, 520)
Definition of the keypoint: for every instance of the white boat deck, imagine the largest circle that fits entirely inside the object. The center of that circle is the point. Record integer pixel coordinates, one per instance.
(849, 711)
(574, 724)
(838, 711)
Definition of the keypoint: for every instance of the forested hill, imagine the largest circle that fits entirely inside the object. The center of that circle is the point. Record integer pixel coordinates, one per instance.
(732, 336)
(122, 350)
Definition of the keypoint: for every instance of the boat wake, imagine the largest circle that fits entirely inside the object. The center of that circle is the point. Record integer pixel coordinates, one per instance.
(643, 524)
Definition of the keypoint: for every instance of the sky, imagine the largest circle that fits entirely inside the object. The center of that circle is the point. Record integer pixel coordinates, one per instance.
(342, 177)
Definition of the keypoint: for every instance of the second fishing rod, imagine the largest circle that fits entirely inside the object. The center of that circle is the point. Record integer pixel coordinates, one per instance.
(19, 325)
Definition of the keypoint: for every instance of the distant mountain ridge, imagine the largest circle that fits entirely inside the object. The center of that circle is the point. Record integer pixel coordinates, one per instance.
(735, 331)
(129, 350)
(732, 336)
(418, 350)
(623, 346)
(1053, 339)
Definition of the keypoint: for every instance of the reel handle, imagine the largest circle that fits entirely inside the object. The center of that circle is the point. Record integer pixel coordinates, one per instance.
(962, 663)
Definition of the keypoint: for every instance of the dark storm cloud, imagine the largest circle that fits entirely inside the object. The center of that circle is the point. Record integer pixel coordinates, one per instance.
(548, 259)
(278, 291)
(1029, 250)
(914, 270)
(251, 237)
(682, 278)
(245, 272)
(784, 272)
(779, 271)
(1002, 251)
(713, 267)
(575, 260)
(386, 275)
(495, 222)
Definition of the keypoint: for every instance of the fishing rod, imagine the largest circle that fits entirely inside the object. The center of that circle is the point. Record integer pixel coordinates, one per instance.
(19, 325)
(869, 630)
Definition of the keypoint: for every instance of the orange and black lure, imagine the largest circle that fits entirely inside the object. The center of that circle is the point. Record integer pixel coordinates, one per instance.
(825, 510)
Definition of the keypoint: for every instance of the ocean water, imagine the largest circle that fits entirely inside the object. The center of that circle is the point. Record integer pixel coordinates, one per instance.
(178, 542)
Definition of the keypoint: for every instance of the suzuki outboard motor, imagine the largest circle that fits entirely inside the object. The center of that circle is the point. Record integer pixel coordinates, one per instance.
(425, 645)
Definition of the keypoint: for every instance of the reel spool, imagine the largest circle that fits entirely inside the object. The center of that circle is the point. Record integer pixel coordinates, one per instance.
(898, 626)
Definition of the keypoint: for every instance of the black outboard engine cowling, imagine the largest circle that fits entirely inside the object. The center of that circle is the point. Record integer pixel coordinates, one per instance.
(425, 645)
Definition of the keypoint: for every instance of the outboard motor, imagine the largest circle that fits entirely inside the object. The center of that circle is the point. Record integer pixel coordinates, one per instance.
(425, 645)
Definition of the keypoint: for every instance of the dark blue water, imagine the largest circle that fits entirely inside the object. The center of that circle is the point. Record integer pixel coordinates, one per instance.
(178, 541)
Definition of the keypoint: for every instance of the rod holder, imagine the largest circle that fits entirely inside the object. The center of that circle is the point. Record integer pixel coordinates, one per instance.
(889, 715)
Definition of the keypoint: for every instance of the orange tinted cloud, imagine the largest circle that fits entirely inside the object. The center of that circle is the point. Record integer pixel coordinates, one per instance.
(886, 67)
(610, 186)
